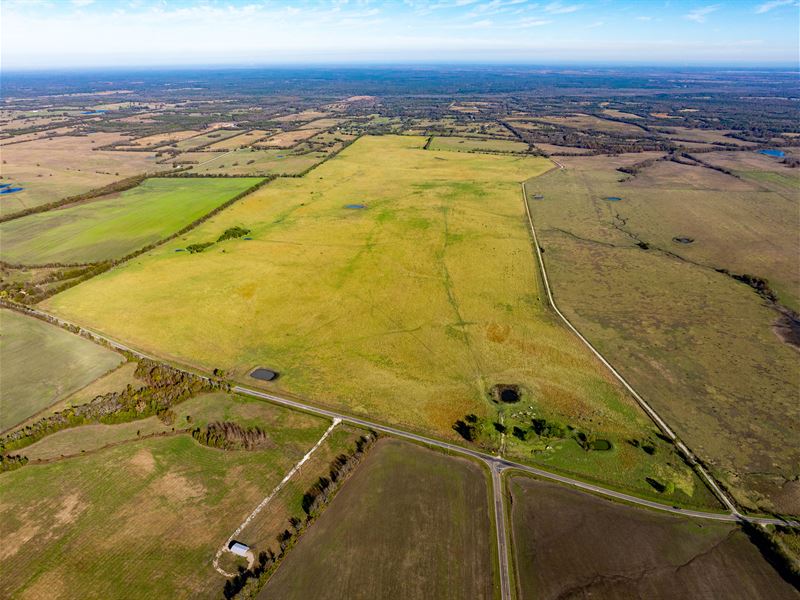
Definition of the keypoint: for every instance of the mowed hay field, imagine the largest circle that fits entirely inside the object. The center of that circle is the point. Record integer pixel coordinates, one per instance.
(569, 544)
(698, 345)
(409, 523)
(116, 225)
(142, 519)
(41, 363)
(59, 167)
(464, 144)
(406, 311)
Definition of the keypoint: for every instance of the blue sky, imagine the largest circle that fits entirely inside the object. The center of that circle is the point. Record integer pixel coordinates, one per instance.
(99, 33)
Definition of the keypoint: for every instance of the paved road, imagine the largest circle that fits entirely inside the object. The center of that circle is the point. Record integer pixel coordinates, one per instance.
(500, 524)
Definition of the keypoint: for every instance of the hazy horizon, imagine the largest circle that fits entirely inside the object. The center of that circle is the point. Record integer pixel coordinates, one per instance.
(89, 34)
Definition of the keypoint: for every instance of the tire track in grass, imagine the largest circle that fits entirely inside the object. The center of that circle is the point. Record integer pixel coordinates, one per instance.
(272, 494)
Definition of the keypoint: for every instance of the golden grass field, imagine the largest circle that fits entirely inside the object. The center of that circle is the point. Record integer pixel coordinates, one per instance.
(407, 311)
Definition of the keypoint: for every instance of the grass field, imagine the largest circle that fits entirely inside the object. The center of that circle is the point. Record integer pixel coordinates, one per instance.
(113, 226)
(287, 139)
(568, 544)
(55, 168)
(423, 529)
(697, 344)
(590, 122)
(462, 144)
(237, 141)
(41, 363)
(246, 161)
(143, 518)
(211, 137)
(407, 311)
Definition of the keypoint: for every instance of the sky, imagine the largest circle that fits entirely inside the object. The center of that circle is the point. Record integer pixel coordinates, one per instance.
(57, 34)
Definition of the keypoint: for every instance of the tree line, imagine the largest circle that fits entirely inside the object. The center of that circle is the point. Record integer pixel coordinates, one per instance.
(247, 584)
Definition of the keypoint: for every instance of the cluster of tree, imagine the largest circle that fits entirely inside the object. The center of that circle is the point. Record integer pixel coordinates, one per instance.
(466, 427)
(323, 490)
(35, 290)
(791, 162)
(165, 387)
(759, 284)
(196, 248)
(647, 445)
(247, 584)
(636, 168)
(226, 435)
(11, 462)
(233, 232)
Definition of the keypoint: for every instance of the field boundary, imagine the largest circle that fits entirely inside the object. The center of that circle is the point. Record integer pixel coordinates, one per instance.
(649, 410)
(272, 494)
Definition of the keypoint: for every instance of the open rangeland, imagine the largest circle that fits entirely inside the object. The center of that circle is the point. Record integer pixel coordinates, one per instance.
(248, 161)
(464, 144)
(238, 141)
(590, 122)
(41, 364)
(145, 517)
(55, 168)
(205, 139)
(287, 139)
(638, 276)
(398, 284)
(568, 544)
(422, 526)
(115, 225)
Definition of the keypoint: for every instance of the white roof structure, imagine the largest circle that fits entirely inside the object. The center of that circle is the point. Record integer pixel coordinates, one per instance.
(239, 549)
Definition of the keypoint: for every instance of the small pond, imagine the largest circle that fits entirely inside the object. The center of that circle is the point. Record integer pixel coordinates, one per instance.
(264, 374)
(355, 206)
(7, 189)
(773, 152)
(612, 198)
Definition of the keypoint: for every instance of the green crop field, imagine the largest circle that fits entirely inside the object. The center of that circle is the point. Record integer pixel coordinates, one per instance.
(699, 345)
(114, 226)
(423, 529)
(408, 310)
(41, 364)
(566, 540)
(143, 518)
(464, 144)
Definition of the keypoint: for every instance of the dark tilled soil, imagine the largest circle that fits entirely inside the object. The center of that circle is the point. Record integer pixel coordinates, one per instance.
(573, 545)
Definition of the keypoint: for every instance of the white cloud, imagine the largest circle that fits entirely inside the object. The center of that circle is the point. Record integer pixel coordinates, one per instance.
(644, 18)
(557, 8)
(768, 6)
(595, 24)
(82, 2)
(698, 15)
